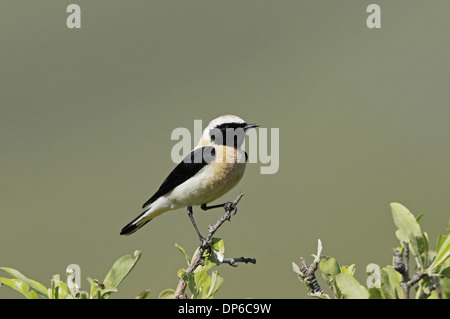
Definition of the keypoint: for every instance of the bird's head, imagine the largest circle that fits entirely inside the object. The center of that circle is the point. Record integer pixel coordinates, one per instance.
(226, 130)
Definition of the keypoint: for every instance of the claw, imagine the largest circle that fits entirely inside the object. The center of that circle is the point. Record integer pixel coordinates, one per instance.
(230, 206)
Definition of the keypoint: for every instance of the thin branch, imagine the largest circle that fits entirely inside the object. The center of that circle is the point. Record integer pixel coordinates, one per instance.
(233, 262)
(310, 278)
(403, 269)
(197, 260)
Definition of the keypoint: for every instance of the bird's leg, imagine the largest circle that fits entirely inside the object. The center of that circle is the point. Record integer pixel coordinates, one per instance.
(204, 207)
(203, 242)
(228, 206)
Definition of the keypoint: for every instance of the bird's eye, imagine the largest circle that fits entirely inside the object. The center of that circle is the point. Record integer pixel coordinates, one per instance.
(213, 137)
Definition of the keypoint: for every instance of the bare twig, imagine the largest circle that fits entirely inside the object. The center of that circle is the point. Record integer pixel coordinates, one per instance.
(310, 278)
(233, 262)
(403, 269)
(197, 260)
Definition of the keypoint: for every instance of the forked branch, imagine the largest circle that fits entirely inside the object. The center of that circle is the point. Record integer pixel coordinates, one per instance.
(206, 244)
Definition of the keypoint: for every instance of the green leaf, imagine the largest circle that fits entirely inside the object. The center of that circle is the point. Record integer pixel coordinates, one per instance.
(95, 288)
(296, 269)
(444, 269)
(34, 285)
(348, 269)
(445, 272)
(58, 288)
(143, 295)
(440, 241)
(442, 254)
(167, 294)
(390, 283)
(210, 262)
(181, 273)
(98, 290)
(190, 282)
(83, 295)
(426, 241)
(375, 293)
(218, 250)
(419, 217)
(120, 269)
(408, 230)
(350, 288)
(20, 286)
(433, 295)
(200, 278)
(425, 288)
(216, 283)
(329, 267)
(445, 288)
(186, 256)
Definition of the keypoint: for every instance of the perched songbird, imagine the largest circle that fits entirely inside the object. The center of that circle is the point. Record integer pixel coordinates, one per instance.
(213, 168)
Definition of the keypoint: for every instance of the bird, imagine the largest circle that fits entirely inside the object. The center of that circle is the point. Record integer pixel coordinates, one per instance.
(214, 167)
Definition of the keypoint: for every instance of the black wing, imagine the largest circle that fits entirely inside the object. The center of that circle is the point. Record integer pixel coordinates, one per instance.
(190, 166)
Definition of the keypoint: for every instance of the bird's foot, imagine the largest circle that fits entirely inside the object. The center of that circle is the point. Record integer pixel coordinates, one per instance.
(230, 206)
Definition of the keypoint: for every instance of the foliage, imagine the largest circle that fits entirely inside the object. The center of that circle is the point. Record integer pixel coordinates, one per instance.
(432, 271)
(68, 290)
(200, 283)
(203, 283)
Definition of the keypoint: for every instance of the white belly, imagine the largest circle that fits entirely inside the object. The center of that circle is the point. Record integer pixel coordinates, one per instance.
(211, 182)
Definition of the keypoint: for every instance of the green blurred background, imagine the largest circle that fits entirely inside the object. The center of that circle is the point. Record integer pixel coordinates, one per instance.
(86, 117)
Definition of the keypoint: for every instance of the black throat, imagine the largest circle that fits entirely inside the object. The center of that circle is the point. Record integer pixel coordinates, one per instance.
(229, 134)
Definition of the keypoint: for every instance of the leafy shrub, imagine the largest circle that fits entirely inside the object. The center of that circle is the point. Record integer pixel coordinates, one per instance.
(200, 283)
(68, 290)
(432, 271)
